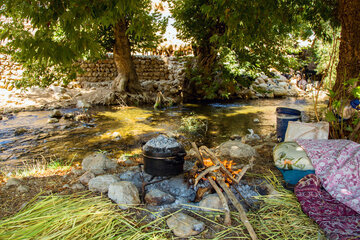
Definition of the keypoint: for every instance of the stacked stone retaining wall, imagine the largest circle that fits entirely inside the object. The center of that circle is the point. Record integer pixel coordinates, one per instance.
(156, 73)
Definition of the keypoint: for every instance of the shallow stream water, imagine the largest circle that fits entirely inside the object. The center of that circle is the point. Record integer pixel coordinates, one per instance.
(28, 135)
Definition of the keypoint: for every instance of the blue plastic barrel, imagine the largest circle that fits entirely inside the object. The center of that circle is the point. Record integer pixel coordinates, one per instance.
(283, 117)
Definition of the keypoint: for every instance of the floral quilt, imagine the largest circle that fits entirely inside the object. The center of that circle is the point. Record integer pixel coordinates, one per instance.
(337, 165)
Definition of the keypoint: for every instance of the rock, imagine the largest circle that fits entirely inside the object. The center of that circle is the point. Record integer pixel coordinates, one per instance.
(211, 202)
(263, 86)
(283, 85)
(236, 150)
(86, 177)
(23, 189)
(155, 197)
(279, 91)
(78, 186)
(56, 114)
(269, 95)
(281, 78)
(184, 226)
(82, 104)
(69, 115)
(126, 160)
(20, 131)
(77, 171)
(13, 182)
(102, 183)
(83, 118)
(98, 163)
(124, 193)
(53, 120)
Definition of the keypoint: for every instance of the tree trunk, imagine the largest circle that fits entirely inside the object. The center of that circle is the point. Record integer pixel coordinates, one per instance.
(127, 79)
(349, 52)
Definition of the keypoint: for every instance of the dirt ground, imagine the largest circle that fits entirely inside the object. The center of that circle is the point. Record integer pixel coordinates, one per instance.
(52, 181)
(36, 98)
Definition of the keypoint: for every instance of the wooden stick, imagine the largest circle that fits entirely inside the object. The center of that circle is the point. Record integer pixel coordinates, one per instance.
(220, 180)
(244, 169)
(227, 220)
(216, 161)
(197, 153)
(205, 172)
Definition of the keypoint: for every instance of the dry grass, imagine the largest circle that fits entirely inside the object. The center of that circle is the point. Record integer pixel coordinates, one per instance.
(88, 217)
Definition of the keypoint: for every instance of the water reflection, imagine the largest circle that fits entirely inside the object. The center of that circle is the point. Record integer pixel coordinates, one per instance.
(125, 130)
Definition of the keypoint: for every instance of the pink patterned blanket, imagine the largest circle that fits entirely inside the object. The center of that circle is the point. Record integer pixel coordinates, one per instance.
(338, 221)
(337, 165)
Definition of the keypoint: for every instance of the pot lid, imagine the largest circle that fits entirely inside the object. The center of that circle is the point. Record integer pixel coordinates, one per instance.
(162, 145)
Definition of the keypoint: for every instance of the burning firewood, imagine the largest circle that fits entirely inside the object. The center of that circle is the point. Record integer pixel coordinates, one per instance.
(218, 162)
(205, 172)
(216, 177)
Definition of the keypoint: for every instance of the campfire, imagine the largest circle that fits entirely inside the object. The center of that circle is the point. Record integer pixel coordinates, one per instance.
(221, 176)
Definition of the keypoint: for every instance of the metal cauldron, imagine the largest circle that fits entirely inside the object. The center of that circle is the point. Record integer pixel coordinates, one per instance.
(163, 157)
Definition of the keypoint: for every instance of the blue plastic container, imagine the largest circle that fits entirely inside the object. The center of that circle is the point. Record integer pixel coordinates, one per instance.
(283, 117)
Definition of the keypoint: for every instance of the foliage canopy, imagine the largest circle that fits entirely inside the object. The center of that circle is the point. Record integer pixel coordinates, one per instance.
(47, 37)
(258, 33)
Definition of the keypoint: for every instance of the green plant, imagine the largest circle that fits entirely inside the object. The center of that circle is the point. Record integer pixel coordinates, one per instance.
(193, 125)
(344, 120)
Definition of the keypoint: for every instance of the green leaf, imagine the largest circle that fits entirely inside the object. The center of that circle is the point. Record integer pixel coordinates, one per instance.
(330, 117)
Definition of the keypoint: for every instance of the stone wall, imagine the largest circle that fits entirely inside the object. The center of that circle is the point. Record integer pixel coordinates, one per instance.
(9, 72)
(156, 73)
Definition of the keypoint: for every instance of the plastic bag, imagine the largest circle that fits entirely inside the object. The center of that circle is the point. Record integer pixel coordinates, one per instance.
(300, 130)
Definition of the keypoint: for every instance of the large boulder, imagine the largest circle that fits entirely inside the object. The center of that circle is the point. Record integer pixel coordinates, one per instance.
(236, 150)
(124, 193)
(102, 183)
(98, 163)
(184, 226)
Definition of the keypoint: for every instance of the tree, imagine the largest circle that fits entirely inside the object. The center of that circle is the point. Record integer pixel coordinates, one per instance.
(256, 32)
(47, 37)
(349, 50)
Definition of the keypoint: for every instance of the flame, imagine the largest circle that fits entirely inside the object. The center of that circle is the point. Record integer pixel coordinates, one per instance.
(227, 164)
(208, 162)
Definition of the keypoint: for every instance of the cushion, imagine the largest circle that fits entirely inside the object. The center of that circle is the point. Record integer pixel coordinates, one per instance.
(291, 156)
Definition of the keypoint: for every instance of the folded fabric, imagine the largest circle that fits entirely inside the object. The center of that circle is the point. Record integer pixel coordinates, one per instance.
(290, 156)
(337, 164)
(338, 221)
(293, 176)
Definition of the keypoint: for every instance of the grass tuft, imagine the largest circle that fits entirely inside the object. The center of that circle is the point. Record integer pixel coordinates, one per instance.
(81, 217)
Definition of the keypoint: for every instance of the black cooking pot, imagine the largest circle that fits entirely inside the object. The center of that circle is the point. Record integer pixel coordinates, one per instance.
(163, 158)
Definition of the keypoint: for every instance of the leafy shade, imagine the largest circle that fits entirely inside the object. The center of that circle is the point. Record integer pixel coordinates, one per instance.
(258, 33)
(47, 37)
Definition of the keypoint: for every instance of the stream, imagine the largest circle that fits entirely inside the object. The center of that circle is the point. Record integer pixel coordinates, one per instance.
(27, 136)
